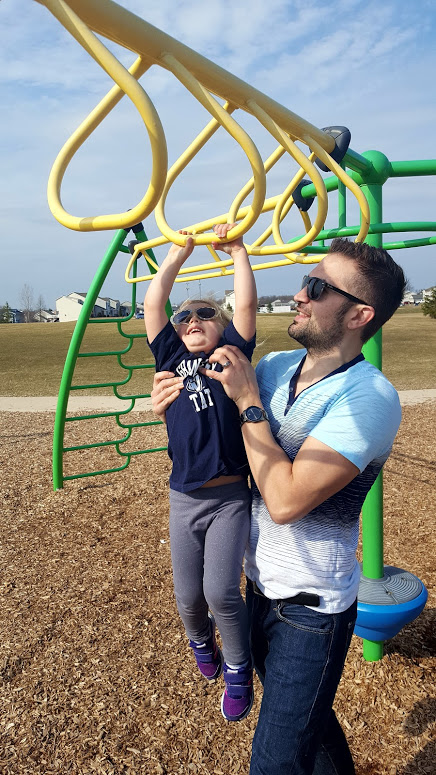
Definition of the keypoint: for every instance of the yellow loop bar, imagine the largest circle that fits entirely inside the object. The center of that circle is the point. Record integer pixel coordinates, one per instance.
(284, 205)
(350, 184)
(142, 247)
(197, 144)
(129, 85)
(125, 28)
(238, 134)
(307, 167)
(297, 258)
(248, 188)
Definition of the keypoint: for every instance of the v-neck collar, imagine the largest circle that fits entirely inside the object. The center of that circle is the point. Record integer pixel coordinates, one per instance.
(293, 381)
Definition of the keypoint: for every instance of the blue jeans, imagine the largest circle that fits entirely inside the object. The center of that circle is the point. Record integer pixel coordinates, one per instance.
(299, 655)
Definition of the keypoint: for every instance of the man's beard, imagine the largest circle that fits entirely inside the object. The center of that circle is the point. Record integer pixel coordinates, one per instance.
(320, 342)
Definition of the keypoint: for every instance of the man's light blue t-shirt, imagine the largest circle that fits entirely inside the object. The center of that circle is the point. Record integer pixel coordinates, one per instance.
(357, 413)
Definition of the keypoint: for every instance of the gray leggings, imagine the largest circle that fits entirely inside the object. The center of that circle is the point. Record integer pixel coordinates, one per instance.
(209, 530)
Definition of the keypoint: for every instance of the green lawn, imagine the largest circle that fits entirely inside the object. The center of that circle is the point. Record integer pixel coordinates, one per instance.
(32, 355)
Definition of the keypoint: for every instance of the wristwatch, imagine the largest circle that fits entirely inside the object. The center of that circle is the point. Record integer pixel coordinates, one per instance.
(253, 414)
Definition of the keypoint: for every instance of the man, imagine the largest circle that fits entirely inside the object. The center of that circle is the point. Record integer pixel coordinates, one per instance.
(318, 425)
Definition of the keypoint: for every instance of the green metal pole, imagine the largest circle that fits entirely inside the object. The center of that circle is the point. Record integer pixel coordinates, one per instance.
(70, 361)
(372, 512)
(342, 204)
(114, 248)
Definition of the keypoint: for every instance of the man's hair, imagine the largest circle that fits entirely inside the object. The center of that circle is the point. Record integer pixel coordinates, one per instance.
(223, 315)
(381, 281)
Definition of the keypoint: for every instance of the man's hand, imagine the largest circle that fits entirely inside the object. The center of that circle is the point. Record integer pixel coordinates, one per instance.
(166, 388)
(231, 248)
(238, 377)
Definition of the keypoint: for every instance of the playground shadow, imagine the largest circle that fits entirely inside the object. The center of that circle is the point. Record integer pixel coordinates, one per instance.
(417, 639)
(419, 719)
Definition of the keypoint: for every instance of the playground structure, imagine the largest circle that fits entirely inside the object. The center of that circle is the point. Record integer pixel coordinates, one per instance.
(389, 597)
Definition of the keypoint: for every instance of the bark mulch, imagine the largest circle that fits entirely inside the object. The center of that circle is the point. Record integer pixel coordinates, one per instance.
(95, 675)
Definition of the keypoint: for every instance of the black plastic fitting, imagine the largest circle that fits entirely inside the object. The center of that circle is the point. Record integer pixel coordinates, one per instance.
(342, 138)
(302, 203)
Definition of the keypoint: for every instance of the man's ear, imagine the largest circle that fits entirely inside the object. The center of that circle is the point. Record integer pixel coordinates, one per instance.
(361, 315)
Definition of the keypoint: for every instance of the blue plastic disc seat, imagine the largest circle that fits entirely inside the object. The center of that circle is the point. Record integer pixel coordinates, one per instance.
(385, 605)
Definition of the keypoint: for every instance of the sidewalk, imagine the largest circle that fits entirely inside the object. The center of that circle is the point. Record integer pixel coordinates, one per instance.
(111, 403)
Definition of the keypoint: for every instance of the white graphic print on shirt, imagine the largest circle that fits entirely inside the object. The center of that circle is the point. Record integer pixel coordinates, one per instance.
(194, 384)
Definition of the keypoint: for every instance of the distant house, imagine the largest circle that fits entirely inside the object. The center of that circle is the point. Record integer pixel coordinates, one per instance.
(229, 300)
(113, 307)
(418, 297)
(408, 298)
(45, 316)
(427, 292)
(279, 306)
(69, 307)
(126, 308)
(17, 316)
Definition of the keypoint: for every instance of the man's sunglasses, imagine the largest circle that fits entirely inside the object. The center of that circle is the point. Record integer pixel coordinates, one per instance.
(315, 287)
(202, 313)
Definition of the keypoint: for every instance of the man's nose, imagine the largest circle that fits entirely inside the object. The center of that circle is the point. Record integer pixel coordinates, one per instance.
(301, 295)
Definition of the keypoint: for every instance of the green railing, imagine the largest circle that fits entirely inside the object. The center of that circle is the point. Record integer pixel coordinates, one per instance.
(127, 402)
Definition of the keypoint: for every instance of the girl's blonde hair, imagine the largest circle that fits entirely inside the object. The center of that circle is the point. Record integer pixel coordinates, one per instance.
(223, 315)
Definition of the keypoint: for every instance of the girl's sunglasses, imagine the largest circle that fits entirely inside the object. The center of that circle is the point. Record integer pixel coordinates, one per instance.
(202, 313)
(315, 287)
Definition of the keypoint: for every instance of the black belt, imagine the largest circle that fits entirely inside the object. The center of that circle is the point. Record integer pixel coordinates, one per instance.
(303, 598)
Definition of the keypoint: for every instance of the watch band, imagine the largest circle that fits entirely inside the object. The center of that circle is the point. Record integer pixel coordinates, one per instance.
(253, 414)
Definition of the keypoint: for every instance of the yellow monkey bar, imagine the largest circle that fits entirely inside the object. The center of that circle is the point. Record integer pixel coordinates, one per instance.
(83, 18)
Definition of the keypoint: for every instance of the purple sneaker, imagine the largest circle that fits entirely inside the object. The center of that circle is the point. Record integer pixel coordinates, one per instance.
(237, 699)
(207, 655)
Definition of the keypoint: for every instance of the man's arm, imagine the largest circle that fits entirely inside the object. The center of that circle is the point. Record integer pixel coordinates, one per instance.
(289, 490)
(166, 388)
(244, 318)
(292, 490)
(155, 317)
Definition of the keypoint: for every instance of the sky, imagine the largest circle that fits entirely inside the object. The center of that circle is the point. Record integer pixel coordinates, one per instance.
(367, 65)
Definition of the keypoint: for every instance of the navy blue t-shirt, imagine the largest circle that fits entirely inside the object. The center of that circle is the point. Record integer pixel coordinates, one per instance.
(204, 432)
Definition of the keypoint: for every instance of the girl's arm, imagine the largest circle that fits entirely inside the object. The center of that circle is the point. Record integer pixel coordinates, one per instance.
(244, 318)
(155, 317)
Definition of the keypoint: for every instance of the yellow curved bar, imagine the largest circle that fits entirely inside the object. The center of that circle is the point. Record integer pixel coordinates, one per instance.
(142, 247)
(297, 258)
(307, 167)
(238, 134)
(129, 85)
(125, 28)
(285, 203)
(247, 189)
(211, 269)
(351, 185)
(311, 170)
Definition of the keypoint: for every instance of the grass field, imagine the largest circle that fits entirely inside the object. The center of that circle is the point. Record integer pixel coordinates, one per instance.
(32, 356)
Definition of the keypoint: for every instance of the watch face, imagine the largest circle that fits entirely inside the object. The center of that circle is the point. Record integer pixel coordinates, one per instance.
(253, 414)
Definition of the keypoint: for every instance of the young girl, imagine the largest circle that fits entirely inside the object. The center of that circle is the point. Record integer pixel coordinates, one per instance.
(209, 495)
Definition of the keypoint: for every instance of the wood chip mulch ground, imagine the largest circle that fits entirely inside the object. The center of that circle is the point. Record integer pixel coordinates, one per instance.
(95, 675)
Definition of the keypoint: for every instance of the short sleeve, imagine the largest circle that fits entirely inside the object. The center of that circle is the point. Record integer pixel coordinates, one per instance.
(166, 348)
(362, 422)
(231, 336)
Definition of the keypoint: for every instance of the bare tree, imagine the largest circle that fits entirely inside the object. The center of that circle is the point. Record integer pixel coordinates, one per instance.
(40, 306)
(27, 303)
(409, 287)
